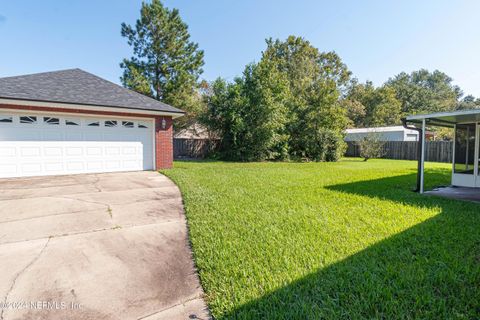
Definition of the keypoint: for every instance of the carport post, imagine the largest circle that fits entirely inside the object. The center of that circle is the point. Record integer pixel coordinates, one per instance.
(422, 157)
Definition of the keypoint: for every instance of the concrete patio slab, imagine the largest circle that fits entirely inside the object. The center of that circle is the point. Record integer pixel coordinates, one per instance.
(457, 193)
(110, 246)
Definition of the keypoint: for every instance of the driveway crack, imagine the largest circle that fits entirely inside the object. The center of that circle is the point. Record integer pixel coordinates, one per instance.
(19, 274)
(95, 184)
(106, 205)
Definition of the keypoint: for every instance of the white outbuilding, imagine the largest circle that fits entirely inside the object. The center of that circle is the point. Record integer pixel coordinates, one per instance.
(394, 133)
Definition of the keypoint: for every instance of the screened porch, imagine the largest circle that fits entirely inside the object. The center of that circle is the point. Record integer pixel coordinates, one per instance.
(465, 179)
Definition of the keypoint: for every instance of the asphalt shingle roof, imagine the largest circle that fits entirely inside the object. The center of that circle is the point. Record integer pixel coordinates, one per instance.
(78, 87)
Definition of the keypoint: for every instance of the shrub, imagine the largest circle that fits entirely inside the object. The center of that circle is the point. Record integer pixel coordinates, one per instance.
(371, 147)
(284, 106)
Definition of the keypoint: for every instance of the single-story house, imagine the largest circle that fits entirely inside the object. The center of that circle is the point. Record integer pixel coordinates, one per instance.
(466, 149)
(394, 133)
(71, 121)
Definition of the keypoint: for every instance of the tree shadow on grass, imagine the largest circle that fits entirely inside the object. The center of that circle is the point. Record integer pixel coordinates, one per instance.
(429, 271)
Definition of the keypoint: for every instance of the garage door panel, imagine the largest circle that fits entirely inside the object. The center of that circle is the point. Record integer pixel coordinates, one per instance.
(42, 149)
(54, 167)
(21, 135)
(8, 151)
(112, 164)
(30, 168)
(75, 166)
(94, 151)
(74, 136)
(93, 136)
(74, 151)
(30, 151)
(53, 135)
(132, 164)
(8, 170)
(95, 165)
(53, 151)
(110, 151)
(129, 150)
(114, 137)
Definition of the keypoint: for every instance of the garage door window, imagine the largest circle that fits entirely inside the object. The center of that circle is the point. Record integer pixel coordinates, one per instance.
(6, 119)
(94, 124)
(51, 121)
(127, 124)
(110, 123)
(70, 122)
(28, 119)
(142, 125)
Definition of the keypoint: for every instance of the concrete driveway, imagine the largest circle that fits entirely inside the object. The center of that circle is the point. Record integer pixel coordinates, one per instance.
(100, 246)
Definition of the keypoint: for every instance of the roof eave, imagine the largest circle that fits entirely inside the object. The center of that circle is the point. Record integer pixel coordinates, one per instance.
(443, 114)
(70, 105)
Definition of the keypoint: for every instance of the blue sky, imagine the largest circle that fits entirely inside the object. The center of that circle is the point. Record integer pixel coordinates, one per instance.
(376, 39)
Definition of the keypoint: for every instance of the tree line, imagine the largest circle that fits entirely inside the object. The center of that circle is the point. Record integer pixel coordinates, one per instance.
(294, 103)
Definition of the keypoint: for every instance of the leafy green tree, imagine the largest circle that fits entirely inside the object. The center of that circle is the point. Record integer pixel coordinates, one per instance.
(224, 116)
(287, 105)
(266, 91)
(380, 105)
(356, 112)
(316, 119)
(425, 92)
(165, 64)
(386, 109)
(468, 102)
(359, 103)
(249, 115)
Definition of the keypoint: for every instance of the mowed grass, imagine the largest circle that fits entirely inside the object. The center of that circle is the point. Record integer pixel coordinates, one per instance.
(345, 240)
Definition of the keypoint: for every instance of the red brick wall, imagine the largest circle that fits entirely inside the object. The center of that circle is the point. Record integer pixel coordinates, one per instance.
(164, 142)
(163, 137)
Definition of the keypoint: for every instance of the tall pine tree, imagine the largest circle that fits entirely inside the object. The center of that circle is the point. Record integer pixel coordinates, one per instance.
(165, 64)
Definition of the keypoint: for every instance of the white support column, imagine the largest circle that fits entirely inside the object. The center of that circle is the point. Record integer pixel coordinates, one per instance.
(453, 151)
(468, 150)
(422, 158)
(476, 154)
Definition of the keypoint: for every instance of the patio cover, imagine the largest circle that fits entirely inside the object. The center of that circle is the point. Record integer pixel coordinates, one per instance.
(440, 119)
(446, 119)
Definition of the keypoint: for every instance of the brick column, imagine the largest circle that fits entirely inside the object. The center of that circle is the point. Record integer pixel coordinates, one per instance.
(163, 143)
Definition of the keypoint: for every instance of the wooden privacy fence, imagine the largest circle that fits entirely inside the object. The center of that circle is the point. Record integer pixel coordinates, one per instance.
(436, 151)
(193, 148)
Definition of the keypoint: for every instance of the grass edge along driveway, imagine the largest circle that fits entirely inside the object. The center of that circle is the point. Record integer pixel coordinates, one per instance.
(330, 240)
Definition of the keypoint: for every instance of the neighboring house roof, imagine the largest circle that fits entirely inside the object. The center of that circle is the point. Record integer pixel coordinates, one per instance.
(76, 86)
(380, 129)
(195, 131)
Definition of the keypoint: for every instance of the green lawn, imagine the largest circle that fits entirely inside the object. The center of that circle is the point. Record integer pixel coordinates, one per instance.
(342, 240)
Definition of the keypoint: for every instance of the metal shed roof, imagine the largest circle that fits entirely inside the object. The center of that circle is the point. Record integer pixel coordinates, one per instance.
(380, 129)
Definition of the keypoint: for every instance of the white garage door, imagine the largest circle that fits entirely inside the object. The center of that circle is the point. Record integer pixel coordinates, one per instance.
(41, 144)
